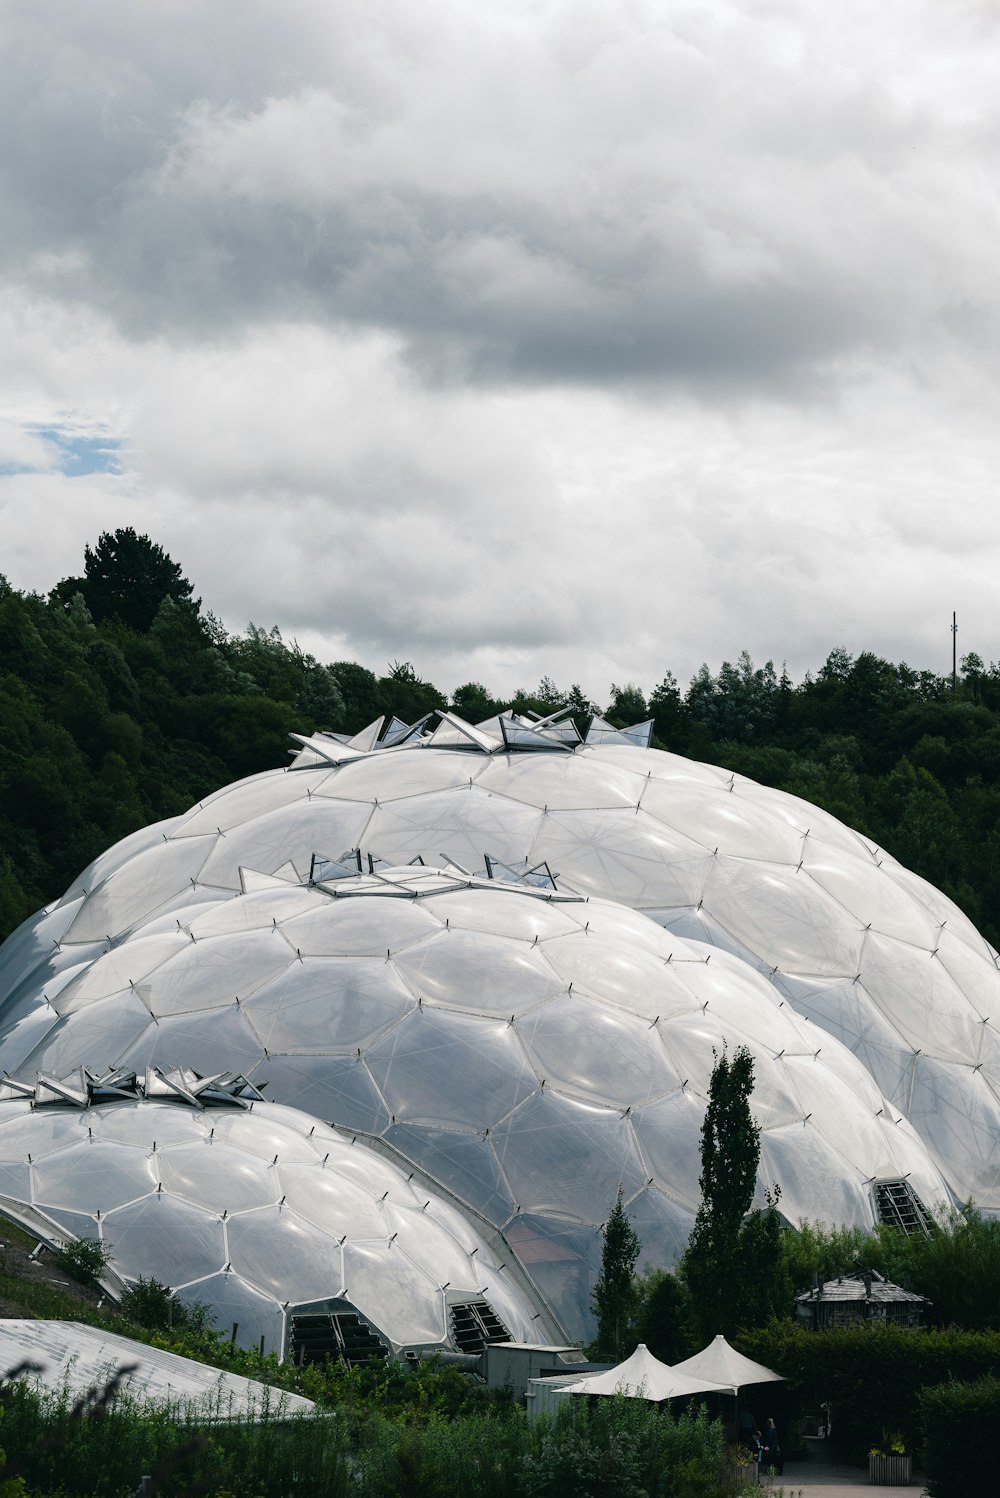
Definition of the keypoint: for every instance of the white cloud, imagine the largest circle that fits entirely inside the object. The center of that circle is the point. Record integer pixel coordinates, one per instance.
(582, 339)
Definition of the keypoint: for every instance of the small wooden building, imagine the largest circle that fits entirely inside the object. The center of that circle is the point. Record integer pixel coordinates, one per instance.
(854, 1299)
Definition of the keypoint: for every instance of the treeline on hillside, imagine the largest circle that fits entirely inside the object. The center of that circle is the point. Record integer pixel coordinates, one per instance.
(123, 700)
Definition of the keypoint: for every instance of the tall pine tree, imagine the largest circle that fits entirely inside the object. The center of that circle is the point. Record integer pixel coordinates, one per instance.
(615, 1294)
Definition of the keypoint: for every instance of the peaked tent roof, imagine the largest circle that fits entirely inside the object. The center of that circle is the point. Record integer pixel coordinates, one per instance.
(723, 1363)
(644, 1377)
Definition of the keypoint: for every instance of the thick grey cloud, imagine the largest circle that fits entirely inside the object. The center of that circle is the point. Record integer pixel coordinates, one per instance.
(589, 339)
(729, 197)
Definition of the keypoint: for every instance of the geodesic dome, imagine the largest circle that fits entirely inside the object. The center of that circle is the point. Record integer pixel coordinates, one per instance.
(865, 949)
(533, 1053)
(807, 924)
(259, 1212)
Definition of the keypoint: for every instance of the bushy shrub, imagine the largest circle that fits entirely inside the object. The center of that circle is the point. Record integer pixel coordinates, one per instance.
(871, 1375)
(959, 1454)
(156, 1307)
(84, 1258)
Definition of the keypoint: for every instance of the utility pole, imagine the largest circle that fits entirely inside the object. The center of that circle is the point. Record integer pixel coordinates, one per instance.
(954, 654)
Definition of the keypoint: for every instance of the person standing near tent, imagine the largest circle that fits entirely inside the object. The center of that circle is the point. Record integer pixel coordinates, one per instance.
(772, 1449)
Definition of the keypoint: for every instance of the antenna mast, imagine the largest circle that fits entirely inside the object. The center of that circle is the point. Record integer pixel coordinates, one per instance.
(954, 653)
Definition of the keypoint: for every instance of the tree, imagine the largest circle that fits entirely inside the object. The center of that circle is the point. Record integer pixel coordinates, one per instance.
(614, 1299)
(732, 1261)
(628, 705)
(127, 576)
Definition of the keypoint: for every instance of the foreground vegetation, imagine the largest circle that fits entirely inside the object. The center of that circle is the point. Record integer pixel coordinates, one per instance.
(621, 1449)
(123, 700)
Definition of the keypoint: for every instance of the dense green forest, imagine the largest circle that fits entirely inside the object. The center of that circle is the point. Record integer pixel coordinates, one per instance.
(124, 700)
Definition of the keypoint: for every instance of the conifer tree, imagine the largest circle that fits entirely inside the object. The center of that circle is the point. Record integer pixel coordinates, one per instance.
(615, 1294)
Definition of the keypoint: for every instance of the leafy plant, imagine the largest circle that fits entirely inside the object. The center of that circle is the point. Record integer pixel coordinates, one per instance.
(84, 1258)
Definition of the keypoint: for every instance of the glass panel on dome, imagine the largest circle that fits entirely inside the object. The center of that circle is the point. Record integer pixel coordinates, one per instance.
(210, 1174)
(816, 1182)
(563, 1259)
(563, 782)
(278, 1252)
(785, 918)
(846, 1010)
(915, 993)
(265, 1131)
(292, 833)
(333, 1203)
(93, 1174)
(118, 855)
(29, 949)
(448, 1068)
(567, 1157)
(622, 855)
(235, 805)
(502, 913)
(214, 973)
(431, 1248)
(394, 1294)
(480, 973)
(25, 1032)
(142, 1123)
(870, 893)
(256, 910)
(395, 776)
(39, 1132)
(149, 880)
(463, 823)
(669, 1135)
(663, 1228)
(958, 1116)
(606, 1054)
(463, 1163)
(940, 908)
(219, 1040)
(15, 1177)
(164, 1239)
(337, 1089)
(636, 980)
(233, 1303)
(122, 966)
(359, 926)
(96, 1036)
(713, 816)
(328, 1004)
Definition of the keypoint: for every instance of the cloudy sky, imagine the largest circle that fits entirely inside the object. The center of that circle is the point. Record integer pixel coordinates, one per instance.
(592, 338)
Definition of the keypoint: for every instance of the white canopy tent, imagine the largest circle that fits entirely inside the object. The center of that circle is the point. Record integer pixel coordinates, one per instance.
(644, 1377)
(725, 1366)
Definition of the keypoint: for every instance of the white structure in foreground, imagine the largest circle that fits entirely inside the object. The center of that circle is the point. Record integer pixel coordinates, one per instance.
(68, 1355)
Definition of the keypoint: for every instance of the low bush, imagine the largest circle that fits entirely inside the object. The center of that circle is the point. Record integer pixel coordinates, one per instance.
(959, 1423)
(871, 1375)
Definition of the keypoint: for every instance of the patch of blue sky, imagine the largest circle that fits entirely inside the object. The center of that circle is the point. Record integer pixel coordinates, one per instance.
(73, 453)
(77, 454)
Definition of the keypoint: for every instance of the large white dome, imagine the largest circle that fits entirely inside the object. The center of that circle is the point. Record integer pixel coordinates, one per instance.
(261, 1213)
(420, 1015)
(533, 1053)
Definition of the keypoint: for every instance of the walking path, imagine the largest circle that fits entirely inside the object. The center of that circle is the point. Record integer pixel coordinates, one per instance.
(830, 1480)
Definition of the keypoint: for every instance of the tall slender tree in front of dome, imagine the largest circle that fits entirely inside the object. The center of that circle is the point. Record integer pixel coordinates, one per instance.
(732, 1261)
(615, 1295)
